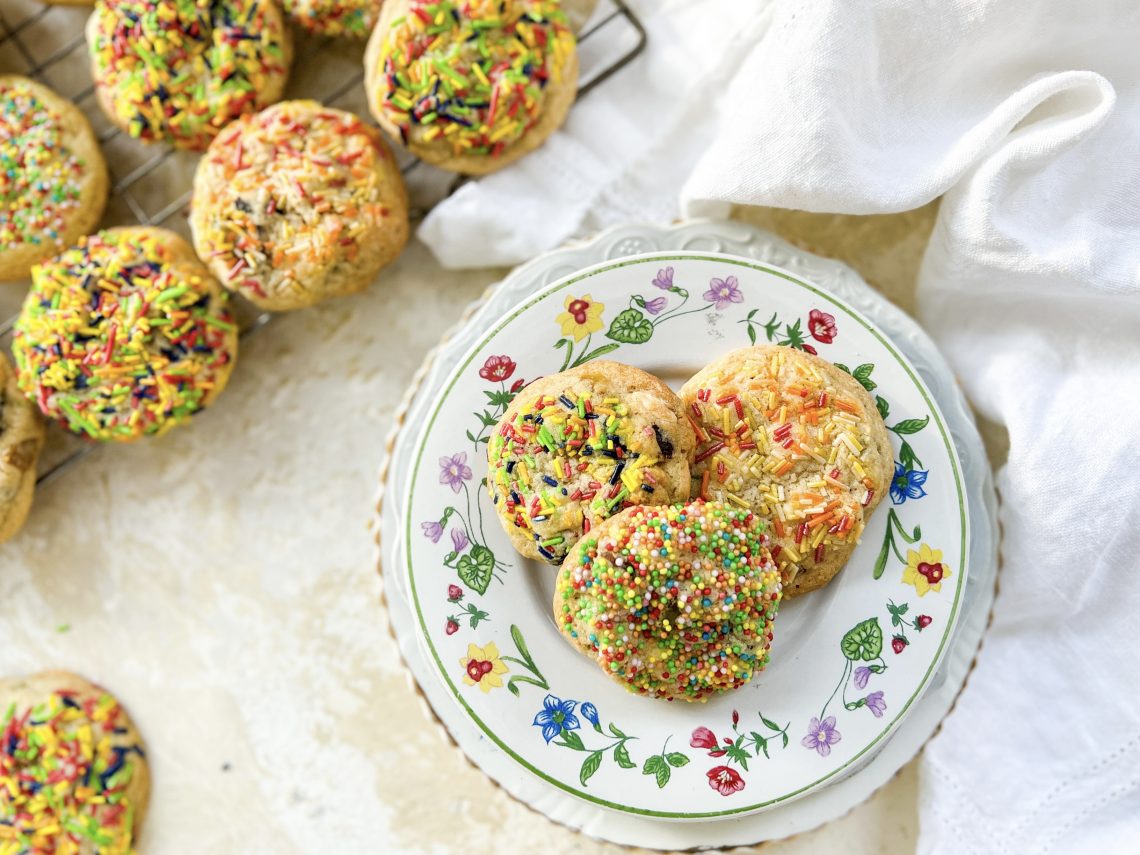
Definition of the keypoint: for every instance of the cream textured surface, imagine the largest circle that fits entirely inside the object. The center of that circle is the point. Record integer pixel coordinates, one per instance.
(220, 581)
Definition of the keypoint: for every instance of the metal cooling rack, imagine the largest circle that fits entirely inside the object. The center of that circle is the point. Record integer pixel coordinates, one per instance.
(150, 184)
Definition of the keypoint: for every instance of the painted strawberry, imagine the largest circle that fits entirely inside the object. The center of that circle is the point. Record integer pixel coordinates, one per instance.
(454, 593)
(923, 622)
(451, 628)
(898, 644)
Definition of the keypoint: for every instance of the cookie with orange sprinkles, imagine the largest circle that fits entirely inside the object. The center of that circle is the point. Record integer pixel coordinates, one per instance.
(73, 771)
(53, 180)
(575, 448)
(21, 439)
(471, 85)
(350, 18)
(798, 441)
(674, 602)
(125, 335)
(298, 203)
(179, 71)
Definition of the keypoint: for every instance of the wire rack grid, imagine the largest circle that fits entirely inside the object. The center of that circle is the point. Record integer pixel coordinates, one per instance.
(150, 184)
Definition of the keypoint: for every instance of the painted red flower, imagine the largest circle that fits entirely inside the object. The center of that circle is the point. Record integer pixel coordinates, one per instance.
(703, 738)
(821, 325)
(497, 368)
(724, 780)
(518, 384)
(454, 593)
(451, 628)
(898, 644)
(809, 349)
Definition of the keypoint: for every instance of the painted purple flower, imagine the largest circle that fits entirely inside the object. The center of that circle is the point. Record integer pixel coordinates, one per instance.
(654, 307)
(664, 279)
(876, 704)
(862, 675)
(453, 471)
(459, 541)
(722, 292)
(821, 735)
(433, 531)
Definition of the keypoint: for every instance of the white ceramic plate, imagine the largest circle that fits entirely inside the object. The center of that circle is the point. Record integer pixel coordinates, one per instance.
(847, 663)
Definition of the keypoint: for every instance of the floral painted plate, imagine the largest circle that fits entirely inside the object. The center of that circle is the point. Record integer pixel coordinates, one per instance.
(848, 662)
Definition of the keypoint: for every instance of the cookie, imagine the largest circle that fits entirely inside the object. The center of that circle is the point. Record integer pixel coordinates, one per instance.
(21, 439)
(331, 18)
(473, 86)
(179, 72)
(53, 180)
(674, 602)
(298, 203)
(576, 448)
(798, 441)
(73, 771)
(125, 335)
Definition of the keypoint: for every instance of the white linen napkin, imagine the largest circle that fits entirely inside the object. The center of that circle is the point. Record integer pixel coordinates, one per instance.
(1026, 115)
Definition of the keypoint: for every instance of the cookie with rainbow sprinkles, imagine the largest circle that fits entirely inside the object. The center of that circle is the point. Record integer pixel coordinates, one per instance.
(73, 771)
(799, 442)
(471, 85)
(298, 203)
(178, 71)
(578, 447)
(674, 602)
(349, 18)
(53, 180)
(124, 335)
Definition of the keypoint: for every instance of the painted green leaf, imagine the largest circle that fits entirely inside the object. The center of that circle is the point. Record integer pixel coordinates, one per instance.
(500, 397)
(784, 738)
(475, 568)
(630, 327)
(862, 373)
(572, 740)
(621, 755)
(771, 725)
(751, 334)
(841, 367)
(908, 426)
(863, 641)
(883, 406)
(761, 742)
(664, 773)
(677, 759)
(652, 764)
(589, 766)
(615, 730)
(596, 352)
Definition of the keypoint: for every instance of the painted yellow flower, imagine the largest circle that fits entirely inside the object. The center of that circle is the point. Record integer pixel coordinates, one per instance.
(925, 570)
(582, 317)
(482, 667)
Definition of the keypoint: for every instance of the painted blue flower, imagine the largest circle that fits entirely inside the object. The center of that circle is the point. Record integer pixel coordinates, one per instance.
(590, 713)
(556, 716)
(907, 484)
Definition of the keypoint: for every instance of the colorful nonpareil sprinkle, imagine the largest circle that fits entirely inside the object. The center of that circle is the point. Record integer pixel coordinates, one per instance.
(675, 601)
(335, 17)
(118, 338)
(473, 74)
(288, 194)
(564, 463)
(777, 436)
(180, 70)
(64, 770)
(40, 178)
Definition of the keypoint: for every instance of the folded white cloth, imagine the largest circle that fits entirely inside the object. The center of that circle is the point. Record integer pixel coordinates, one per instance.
(1026, 115)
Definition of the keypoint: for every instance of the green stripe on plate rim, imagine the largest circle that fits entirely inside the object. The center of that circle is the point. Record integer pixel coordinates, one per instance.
(823, 295)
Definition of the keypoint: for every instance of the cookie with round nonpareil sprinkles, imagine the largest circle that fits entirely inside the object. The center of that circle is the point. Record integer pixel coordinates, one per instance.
(53, 180)
(474, 85)
(179, 71)
(73, 771)
(298, 203)
(124, 335)
(800, 442)
(674, 602)
(575, 448)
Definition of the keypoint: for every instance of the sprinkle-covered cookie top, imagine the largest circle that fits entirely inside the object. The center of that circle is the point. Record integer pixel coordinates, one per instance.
(675, 601)
(566, 462)
(287, 194)
(65, 766)
(472, 75)
(776, 434)
(40, 177)
(122, 336)
(333, 18)
(180, 70)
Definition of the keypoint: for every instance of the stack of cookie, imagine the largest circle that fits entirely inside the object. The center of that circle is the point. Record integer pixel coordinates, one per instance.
(126, 333)
(680, 522)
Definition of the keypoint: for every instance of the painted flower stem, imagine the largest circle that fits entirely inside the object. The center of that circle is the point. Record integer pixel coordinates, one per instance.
(894, 527)
(527, 662)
